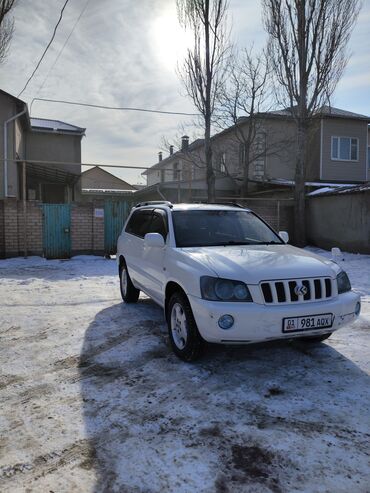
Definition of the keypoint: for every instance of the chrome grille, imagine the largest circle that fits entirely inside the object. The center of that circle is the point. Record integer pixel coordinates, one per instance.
(296, 290)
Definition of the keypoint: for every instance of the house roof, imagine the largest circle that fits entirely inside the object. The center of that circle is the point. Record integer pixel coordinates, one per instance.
(17, 100)
(46, 125)
(125, 184)
(196, 143)
(327, 111)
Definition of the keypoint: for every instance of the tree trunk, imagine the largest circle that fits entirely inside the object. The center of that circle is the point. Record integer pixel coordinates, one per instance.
(299, 190)
(211, 192)
(246, 161)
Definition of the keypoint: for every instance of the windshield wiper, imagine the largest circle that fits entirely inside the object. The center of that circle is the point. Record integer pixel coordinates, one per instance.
(268, 243)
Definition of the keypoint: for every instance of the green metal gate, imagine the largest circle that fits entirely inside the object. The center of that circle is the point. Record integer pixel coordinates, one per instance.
(115, 215)
(57, 230)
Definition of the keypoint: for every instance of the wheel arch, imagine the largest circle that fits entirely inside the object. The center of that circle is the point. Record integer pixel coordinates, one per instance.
(121, 261)
(171, 288)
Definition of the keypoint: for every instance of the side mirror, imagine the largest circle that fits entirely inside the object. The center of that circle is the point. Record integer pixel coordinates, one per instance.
(154, 240)
(284, 236)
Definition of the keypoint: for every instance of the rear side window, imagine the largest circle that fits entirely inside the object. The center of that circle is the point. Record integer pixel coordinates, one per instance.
(159, 223)
(146, 221)
(139, 223)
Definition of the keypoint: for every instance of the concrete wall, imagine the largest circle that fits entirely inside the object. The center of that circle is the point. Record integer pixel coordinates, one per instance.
(47, 146)
(346, 171)
(341, 220)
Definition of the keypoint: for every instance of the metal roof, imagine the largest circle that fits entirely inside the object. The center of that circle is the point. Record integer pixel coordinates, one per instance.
(55, 126)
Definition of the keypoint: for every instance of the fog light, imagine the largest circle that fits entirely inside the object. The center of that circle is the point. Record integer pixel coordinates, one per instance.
(358, 308)
(225, 322)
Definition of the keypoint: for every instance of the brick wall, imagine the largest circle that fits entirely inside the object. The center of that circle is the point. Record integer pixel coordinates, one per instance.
(2, 239)
(11, 246)
(277, 213)
(33, 228)
(87, 229)
(98, 228)
(82, 228)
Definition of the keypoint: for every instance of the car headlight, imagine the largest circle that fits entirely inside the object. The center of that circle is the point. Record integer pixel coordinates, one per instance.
(216, 289)
(344, 284)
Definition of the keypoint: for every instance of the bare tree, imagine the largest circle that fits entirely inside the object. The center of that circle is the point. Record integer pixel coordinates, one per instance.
(307, 46)
(6, 27)
(244, 95)
(204, 68)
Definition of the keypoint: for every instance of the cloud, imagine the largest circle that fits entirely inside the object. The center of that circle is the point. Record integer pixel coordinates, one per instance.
(119, 55)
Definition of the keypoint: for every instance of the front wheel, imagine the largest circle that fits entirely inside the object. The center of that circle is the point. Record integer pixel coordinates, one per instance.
(315, 339)
(128, 291)
(185, 339)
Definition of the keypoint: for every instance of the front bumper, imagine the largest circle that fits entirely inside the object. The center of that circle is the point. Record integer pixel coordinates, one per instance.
(255, 322)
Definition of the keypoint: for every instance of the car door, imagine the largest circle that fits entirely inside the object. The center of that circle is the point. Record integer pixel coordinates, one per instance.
(154, 258)
(136, 229)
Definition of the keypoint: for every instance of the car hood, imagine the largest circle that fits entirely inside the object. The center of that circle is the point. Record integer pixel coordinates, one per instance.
(255, 263)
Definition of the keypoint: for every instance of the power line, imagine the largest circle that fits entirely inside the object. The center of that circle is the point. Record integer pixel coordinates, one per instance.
(64, 45)
(120, 108)
(46, 49)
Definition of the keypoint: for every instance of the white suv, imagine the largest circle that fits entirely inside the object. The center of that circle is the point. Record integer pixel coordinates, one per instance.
(223, 275)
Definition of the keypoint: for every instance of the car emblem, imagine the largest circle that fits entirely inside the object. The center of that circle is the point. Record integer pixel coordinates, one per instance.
(300, 290)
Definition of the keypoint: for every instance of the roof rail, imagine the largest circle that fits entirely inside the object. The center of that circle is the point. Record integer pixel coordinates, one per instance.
(155, 202)
(232, 204)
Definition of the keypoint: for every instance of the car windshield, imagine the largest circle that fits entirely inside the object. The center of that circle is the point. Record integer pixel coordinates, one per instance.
(198, 228)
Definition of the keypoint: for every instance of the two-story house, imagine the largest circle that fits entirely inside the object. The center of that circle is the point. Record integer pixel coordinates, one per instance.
(181, 175)
(40, 143)
(265, 156)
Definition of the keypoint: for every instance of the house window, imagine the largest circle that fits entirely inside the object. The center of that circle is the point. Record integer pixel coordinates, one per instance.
(220, 164)
(344, 148)
(176, 172)
(163, 175)
(223, 162)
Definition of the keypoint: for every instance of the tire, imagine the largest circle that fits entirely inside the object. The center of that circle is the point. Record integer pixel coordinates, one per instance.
(185, 339)
(128, 291)
(315, 339)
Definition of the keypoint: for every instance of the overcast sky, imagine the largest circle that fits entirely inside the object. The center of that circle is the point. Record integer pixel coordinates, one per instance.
(124, 53)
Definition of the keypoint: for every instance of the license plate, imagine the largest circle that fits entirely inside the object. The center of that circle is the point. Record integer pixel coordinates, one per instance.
(297, 324)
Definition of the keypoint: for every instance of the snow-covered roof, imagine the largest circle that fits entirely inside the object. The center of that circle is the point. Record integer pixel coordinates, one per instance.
(291, 183)
(343, 189)
(55, 126)
(105, 190)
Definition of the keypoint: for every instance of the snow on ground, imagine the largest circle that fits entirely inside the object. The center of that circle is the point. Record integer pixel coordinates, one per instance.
(93, 400)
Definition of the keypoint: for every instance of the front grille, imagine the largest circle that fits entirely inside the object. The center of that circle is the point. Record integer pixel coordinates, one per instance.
(297, 290)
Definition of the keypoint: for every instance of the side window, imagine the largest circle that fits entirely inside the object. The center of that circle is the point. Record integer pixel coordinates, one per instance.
(139, 223)
(159, 223)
